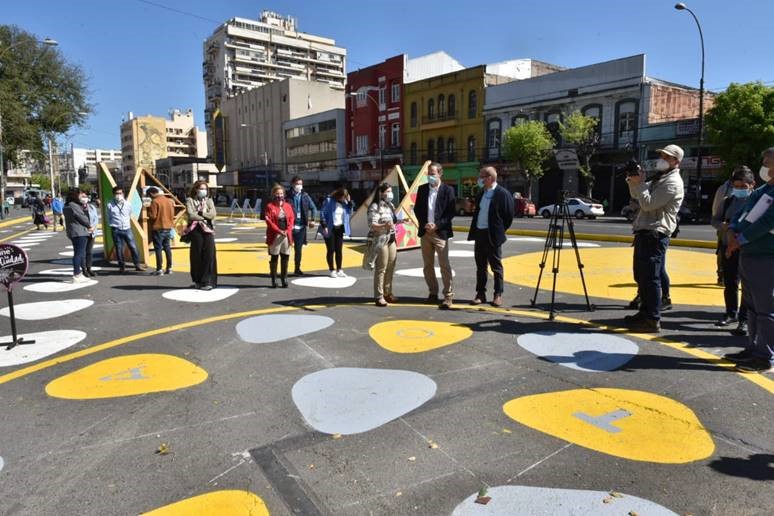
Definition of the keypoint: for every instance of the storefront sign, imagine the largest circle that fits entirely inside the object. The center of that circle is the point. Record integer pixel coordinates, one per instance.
(13, 265)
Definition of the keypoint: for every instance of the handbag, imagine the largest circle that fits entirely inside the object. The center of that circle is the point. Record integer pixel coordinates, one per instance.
(186, 236)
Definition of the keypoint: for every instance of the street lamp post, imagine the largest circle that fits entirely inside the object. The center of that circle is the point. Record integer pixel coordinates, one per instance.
(682, 7)
(379, 136)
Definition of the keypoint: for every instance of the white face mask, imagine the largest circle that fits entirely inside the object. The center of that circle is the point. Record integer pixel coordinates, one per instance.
(298, 188)
(765, 174)
(389, 196)
(119, 197)
(201, 194)
(84, 200)
(662, 165)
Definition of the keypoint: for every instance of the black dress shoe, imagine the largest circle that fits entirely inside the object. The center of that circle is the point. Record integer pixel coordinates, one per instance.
(740, 357)
(740, 330)
(666, 303)
(727, 320)
(645, 325)
(634, 304)
(757, 365)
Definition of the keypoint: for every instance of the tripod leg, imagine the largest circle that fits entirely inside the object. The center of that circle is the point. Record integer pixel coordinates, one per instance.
(559, 242)
(550, 239)
(574, 241)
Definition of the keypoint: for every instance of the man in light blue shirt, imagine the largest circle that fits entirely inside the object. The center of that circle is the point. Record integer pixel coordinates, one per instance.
(120, 220)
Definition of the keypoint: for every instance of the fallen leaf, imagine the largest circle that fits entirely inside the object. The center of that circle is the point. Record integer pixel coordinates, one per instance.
(398, 494)
(337, 436)
(506, 431)
(615, 494)
(483, 500)
(482, 492)
(433, 446)
(163, 449)
(412, 459)
(311, 466)
(608, 500)
(633, 513)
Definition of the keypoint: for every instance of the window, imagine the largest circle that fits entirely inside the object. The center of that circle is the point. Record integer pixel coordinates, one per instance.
(395, 137)
(452, 105)
(441, 150)
(626, 125)
(472, 104)
(361, 144)
(413, 153)
(493, 137)
(431, 150)
(451, 154)
(518, 120)
(553, 124)
(413, 114)
(594, 111)
(471, 148)
(382, 136)
(396, 92)
(441, 106)
(361, 98)
(431, 109)
(382, 91)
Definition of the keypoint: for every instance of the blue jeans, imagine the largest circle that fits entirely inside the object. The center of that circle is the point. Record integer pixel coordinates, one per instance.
(649, 258)
(79, 253)
(121, 237)
(161, 239)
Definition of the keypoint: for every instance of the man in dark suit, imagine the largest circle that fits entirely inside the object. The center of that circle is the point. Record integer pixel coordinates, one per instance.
(492, 217)
(434, 209)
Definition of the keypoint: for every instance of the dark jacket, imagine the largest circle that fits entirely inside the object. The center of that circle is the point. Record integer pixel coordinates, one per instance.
(500, 215)
(445, 206)
(76, 220)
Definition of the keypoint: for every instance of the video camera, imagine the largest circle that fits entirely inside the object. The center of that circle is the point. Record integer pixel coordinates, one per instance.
(631, 168)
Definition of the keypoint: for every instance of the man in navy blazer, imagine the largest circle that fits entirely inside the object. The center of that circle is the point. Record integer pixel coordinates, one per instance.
(492, 217)
(434, 208)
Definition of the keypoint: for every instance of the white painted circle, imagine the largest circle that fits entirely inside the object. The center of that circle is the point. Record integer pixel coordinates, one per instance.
(46, 343)
(566, 244)
(461, 254)
(55, 287)
(190, 295)
(263, 329)
(417, 273)
(350, 400)
(325, 282)
(62, 272)
(25, 244)
(224, 240)
(43, 310)
(590, 352)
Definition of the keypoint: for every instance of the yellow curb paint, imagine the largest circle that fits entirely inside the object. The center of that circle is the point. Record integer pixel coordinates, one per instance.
(407, 336)
(217, 503)
(15, 221)
(608, 273)
(127, 375)
(634, 425)
(16, 235)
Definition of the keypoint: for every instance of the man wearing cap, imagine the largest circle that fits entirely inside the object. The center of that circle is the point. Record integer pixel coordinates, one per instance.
(659, 200)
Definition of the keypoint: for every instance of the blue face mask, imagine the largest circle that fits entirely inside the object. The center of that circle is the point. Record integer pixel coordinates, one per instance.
(740, 192)
(480, 183)
(432, 180)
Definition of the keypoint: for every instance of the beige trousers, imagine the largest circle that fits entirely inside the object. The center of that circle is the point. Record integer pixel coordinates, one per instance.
(384, 269)
(432, 245)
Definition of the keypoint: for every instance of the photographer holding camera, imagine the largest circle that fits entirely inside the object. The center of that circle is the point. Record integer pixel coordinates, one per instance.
(659, 199)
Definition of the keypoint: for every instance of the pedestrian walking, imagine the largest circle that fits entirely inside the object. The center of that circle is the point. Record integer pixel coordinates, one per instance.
(493, 215)
(334, 226)
(57, 209)
(38, 212)
(435, 209)
(305, 213)
(120, 221)
(280, 224)
(381, 223)
(161, 218)
(752, 234)
(78, 228)
(201, 231)
(88, 256)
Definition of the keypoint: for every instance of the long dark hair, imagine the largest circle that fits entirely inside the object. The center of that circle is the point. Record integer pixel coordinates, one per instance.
(73, 195)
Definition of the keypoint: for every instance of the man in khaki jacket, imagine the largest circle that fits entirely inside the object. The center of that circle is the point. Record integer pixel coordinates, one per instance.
(161, 218)
(659, 200)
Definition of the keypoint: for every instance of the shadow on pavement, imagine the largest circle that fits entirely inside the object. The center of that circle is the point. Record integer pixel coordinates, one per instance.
(759, 466)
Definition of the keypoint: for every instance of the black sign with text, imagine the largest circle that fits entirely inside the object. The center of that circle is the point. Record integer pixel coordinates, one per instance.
(13, 265)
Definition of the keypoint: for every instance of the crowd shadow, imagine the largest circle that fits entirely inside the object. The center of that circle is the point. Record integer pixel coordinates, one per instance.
(759, 466)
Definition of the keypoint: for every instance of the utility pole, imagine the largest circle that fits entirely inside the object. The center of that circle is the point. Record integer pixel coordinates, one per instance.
(51, 167)
(2, 172)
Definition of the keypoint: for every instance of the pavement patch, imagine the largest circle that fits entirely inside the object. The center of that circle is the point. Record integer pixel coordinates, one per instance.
(276, 327)
(591, 352)
(43, 310)
(407, 336)
(46, 343)
(509, 500)
(634, 425)
(127, 375)
(325, 282)
(232, 503)
(191, 295)
(348, 400)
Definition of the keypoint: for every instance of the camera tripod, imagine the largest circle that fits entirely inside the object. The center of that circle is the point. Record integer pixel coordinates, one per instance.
(560, 219)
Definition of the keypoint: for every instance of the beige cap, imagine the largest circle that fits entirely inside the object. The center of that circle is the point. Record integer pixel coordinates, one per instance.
(674, 151)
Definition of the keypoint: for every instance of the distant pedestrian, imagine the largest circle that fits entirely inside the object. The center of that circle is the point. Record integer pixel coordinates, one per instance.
(493, 215)
(120, 221)
(280, 220)
(78, 228)
(435, 208)
(93, 213)
(201, 229)
(161, 218)
(57, 208)
(334, 226)
(38, 212)
(381, 222)
(305, 214)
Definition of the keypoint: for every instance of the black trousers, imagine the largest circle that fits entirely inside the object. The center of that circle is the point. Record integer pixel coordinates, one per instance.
(204, 266)
(649, 255)
(487, 254)
(730, 272)
(299, 239)
(334, 244)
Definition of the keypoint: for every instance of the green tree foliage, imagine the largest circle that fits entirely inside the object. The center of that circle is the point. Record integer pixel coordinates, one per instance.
(740, 124)
(40, 92)
(580, 131)
(43, 180)
(528, 145)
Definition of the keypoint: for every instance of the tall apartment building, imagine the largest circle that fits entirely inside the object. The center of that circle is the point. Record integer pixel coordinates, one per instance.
(242, 54)
(145, 139)
(79, 165)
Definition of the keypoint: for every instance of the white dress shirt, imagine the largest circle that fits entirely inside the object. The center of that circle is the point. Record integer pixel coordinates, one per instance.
(431, 197)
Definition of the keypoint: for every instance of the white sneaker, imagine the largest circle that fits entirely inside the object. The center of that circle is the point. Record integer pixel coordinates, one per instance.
(341, 274)
(333, 274)
(80, 278)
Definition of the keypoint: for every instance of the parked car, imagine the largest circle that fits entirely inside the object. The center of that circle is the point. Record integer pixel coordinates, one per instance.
(523, 207)
(629, 212)
(578, 207)
(465, 206)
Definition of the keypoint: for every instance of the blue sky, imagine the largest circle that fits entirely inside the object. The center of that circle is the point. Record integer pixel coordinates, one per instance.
(142, 58)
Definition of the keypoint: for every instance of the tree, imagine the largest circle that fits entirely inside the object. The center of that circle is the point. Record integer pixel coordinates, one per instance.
(43, 180)
(740, 124)
(528, 145)
(581, 132)
(40, 93)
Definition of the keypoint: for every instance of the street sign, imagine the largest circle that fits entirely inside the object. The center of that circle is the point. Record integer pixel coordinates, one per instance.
(567, 159)
(13, 265)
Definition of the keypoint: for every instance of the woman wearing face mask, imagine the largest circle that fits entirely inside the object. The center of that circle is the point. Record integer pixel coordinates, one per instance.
(201, 214)
(334, 225)
(279, 234)
(78, 229)
(381, 221)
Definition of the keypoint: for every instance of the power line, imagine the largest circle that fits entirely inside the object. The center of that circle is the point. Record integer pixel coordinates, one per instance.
(179, 11)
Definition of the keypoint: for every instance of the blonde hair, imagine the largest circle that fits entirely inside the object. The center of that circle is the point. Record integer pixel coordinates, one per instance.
(275, 188)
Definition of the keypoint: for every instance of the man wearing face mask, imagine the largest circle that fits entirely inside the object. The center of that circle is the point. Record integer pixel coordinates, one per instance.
(305, 213)
(492, 217)
(435, 208)
(659, 200)
(120, 219)
(752, 234)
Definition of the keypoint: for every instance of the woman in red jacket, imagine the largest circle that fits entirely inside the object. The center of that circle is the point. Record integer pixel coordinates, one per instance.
(279, 234)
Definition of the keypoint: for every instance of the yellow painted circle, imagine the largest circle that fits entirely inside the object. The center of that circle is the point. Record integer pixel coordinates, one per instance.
(608, 273)
(218, 503)
(127, 376)
(406, 336)
(634, 425)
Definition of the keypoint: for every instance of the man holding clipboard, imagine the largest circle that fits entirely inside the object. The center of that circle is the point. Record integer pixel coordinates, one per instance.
(753, 233)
